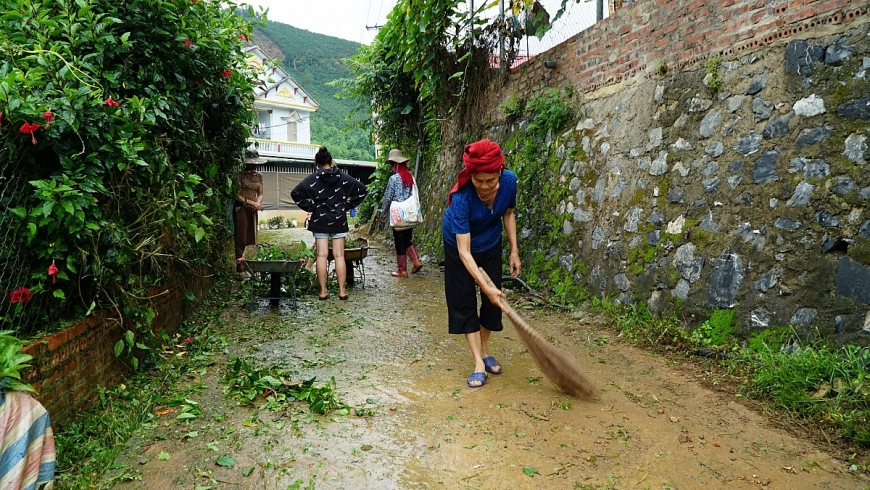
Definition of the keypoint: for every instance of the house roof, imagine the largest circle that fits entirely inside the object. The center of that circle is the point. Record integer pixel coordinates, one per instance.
(279, 77)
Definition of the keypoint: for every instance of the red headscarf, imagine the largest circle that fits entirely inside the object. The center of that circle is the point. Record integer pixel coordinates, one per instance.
(482, 156)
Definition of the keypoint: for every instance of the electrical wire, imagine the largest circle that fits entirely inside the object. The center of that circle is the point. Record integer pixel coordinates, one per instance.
(379, 12)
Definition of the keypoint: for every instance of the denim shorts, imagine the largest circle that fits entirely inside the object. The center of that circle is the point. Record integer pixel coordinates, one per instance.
(329, 235)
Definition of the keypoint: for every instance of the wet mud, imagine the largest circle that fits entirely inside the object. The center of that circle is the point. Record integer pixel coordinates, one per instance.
(652, 424)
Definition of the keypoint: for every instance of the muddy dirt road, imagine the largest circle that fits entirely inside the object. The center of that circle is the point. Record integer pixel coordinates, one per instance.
(652, 425)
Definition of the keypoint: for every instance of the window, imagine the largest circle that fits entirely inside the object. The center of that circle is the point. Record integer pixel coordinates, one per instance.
(291, 131)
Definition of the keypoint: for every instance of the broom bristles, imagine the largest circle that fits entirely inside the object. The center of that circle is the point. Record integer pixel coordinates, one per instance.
(560, 369)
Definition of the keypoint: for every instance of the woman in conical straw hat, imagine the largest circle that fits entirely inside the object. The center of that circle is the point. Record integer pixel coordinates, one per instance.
(399, 188)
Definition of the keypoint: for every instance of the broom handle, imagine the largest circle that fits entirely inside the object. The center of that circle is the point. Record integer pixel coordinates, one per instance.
(505, 306)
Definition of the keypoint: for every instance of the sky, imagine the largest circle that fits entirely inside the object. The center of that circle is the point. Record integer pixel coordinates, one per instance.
(346, 19)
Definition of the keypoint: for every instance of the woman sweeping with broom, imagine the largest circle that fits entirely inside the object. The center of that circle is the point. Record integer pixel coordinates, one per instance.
(484, 196)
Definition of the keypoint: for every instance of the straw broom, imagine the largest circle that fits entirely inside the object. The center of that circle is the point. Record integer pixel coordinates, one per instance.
(556, 365)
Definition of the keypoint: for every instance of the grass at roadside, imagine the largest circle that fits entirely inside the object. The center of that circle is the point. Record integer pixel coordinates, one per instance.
(801, 378)
(87, 447)
(166, 390)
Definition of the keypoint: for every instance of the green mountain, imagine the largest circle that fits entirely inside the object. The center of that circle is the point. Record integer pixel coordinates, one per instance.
(314, 60)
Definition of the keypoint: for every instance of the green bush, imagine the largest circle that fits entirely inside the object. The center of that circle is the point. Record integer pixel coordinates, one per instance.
(123, 124)
(275, 222)
(717, 331)
(770, 339)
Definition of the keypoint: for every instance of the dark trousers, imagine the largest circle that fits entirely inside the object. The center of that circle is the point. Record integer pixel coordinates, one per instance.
(245, 222)
(461, 291)
(403, 240)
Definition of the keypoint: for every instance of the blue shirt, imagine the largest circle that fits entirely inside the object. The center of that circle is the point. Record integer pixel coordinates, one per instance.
(468, 214)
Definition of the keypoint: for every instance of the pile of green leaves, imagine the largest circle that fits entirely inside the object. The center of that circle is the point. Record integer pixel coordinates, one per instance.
(282, 253)
(351, 242)
(247, 384)
(126, 120)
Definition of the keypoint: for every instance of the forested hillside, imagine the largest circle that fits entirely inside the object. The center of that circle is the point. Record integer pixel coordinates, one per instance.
(314, 60)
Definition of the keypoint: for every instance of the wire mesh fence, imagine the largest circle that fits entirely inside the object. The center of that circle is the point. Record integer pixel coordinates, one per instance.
(523, 20)
(19, 307)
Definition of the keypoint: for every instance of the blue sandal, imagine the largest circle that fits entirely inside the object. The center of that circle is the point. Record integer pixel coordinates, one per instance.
(489, 362)
(476, 376)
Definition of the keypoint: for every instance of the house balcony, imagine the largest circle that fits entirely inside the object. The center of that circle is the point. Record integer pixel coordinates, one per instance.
(284, 149)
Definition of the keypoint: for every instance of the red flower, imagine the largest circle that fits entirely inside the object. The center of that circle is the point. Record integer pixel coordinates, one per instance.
(21, 295)
(30, 128)
(226, 73)
(1, 118)
(187, 42)
(111, 102)
(48, 116)
(243, 37)
(52, 272)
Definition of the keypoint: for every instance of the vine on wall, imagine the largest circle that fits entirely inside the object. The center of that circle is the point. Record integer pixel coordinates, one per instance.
(532, 153)
(428, 65)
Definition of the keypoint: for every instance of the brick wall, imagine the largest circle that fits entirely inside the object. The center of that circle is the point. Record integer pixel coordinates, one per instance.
(680, 33)
(69, 365)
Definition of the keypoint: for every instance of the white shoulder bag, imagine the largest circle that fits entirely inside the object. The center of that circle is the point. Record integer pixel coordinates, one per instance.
(406, 214)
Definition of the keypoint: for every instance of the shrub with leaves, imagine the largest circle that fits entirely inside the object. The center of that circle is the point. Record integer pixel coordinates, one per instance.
(430, 58)
(12, 361)
(121, 126)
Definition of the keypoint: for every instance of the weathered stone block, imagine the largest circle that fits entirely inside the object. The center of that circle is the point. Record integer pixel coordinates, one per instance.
(726, 279)
(764, 171)
(852, 280)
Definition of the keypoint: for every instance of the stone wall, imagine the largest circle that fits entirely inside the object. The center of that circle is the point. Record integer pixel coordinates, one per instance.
(723, 161)
(69, 366)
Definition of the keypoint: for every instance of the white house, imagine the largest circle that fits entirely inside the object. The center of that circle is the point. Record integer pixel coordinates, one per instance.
(284, 109)
(282, 133)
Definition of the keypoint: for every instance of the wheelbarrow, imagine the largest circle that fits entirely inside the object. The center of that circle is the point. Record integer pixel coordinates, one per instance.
(278, 272)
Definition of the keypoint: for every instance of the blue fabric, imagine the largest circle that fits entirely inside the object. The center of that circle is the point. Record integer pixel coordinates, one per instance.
(324, 236)
(26, 438)
(467, 214)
